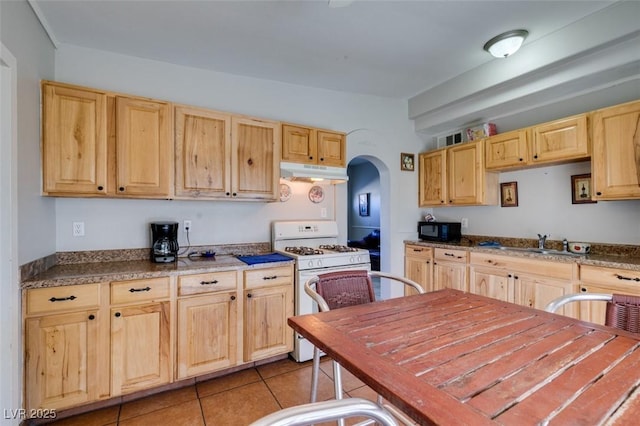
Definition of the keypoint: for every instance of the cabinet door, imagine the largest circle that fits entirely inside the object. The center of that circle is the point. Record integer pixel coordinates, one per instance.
(537, 292)
(507, 150)
(140, 347)
(266, 332)
(74, 136)
(449, 275)
(490, 282)
(331, 148)
(255, 159)
(144, 146)
(64, 364)
(615, 164)
(299, 144)
(559, 140)
(207, 333)
(464, 171)
(433, 178)
(203, 153)
(418, 267)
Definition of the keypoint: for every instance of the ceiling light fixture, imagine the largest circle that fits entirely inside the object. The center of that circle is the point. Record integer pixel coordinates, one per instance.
(506, 44)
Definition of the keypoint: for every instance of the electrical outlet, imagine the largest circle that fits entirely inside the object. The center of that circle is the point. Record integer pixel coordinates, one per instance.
(464, 223)
(323, 212)
(186, 225)
(78, 229)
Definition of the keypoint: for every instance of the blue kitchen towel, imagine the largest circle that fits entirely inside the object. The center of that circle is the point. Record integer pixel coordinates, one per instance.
(264, 258)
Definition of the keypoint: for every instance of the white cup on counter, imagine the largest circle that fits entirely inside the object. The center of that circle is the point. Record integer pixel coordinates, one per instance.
(579, 248)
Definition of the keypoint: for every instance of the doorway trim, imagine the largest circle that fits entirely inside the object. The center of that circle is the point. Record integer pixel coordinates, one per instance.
(10, 354)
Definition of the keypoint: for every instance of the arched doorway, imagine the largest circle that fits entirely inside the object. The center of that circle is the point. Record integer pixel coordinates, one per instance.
(369, 182)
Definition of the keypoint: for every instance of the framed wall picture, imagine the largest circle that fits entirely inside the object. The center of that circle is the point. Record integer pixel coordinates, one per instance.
(407, 162)
(509, 194)
(363, 200)
(581, 189)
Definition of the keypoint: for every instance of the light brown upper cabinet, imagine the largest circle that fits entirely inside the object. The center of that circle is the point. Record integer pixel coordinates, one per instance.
(313, 146)
(203, 153)
(507, 150)
(144, 148)
(220, 155)
(74, 136)
(615, 165)
(560, 140)
(468, 182)
(103, 144)
(456, 176)
(433, 178)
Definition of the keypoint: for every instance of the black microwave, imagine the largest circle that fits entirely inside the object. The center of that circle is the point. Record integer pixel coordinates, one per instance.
(439, 231)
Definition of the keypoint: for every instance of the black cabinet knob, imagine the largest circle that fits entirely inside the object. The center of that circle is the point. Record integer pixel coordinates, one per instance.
(92, 317)
(100, 188)
(535, 156)
(121, 189)
(118, 314)
(598, 193)
(249, 296)
(233, 298)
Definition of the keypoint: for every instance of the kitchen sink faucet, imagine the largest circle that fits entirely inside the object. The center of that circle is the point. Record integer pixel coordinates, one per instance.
(541, 240)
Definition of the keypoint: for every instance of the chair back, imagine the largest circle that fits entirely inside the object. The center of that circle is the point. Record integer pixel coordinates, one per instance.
(624, 312)
(345, 288)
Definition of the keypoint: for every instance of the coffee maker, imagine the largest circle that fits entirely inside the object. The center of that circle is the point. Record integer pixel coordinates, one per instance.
(164, 246)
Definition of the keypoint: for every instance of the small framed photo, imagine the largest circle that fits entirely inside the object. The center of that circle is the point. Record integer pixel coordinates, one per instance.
(363, 200)
(509, 194)
(407, 162)
(581, 189)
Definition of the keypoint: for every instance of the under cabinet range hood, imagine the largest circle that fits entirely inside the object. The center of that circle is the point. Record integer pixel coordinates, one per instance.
(313, 173)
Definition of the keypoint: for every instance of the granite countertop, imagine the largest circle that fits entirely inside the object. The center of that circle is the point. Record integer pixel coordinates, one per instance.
(94, 272)
(627, 260)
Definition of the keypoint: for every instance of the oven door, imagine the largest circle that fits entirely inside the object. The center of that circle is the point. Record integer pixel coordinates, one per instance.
(304, 304)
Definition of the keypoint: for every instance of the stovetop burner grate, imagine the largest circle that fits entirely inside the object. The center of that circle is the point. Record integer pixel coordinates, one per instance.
(303, 251)
(339, 248)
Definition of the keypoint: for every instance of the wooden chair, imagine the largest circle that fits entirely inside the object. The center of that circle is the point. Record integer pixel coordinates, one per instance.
(622, 311)
(317, 412)
(336, 290)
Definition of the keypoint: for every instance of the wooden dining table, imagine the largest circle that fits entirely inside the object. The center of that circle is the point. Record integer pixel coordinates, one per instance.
(455, 358)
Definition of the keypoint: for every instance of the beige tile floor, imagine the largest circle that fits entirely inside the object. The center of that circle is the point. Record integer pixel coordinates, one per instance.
(235, 399)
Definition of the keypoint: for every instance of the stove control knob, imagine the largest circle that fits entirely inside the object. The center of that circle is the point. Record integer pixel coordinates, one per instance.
(311, 264)
(319, 263)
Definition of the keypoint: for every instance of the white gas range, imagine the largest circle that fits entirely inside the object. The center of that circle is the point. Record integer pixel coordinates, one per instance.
(314, 246)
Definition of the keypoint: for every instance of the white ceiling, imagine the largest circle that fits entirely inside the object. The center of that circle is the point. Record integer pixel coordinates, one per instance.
(386, 48)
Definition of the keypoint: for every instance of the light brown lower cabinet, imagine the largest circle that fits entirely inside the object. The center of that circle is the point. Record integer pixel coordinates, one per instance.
(524, 281)
(268, 299)
(207, 334)
(418, 266)
(595, 279)
(84, 343)
(66, 356)
(450, 269)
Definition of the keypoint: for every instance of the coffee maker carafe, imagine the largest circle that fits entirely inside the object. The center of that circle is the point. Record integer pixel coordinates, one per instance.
(164, 246)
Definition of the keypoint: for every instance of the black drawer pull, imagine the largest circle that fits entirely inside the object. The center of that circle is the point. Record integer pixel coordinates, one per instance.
(62, 299)
(622, 277)
(208, 282)
(449, 254)
(272, 277)
(134, 290)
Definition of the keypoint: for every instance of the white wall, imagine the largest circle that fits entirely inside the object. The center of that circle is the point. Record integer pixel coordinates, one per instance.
(27, 56)
(377, 126)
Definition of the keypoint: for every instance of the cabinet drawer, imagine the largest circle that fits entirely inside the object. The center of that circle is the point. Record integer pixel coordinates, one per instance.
(532, 266)
(139, 290)
(418, 251)
(64, 298)
(451, 255)
(610, 276)
(268, 277)
(207, 283)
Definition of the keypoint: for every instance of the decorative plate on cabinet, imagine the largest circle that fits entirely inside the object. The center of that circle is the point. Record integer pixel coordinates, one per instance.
(316, 194)
(285, 192)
